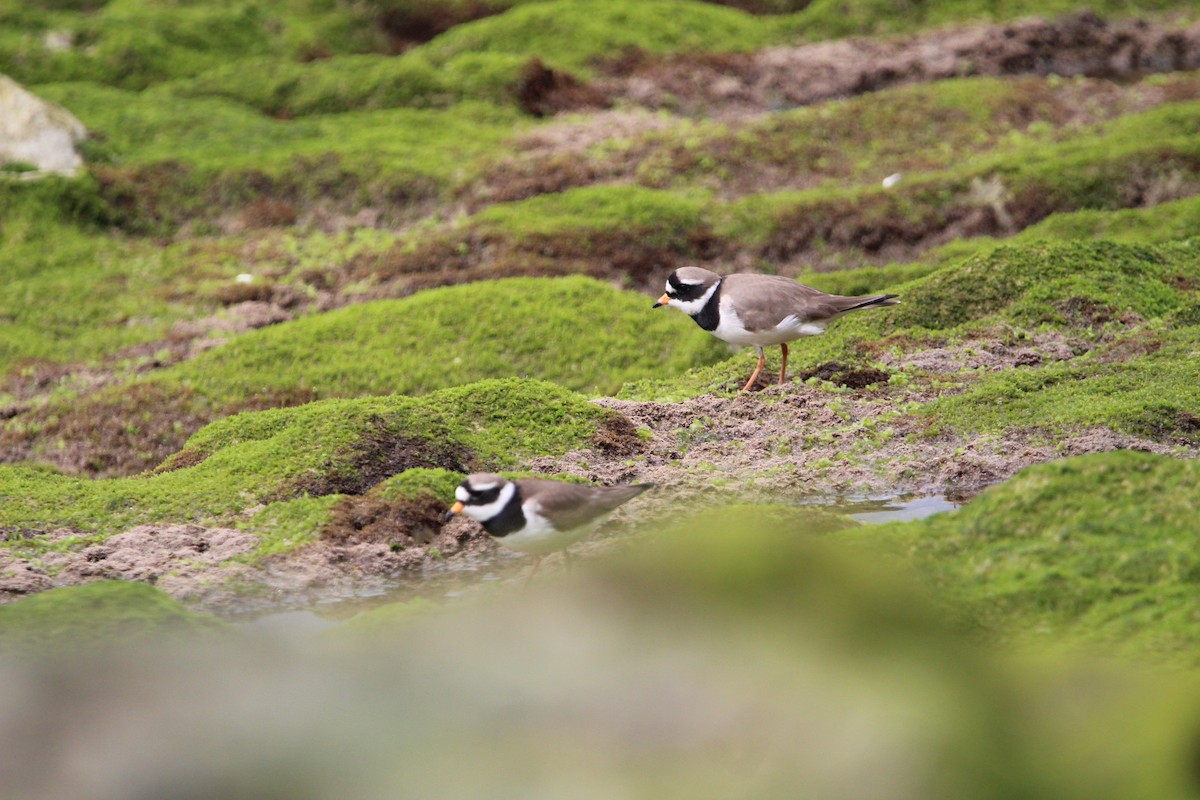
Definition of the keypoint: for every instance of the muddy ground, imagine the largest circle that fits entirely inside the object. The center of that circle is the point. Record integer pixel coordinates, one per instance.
(786, 443)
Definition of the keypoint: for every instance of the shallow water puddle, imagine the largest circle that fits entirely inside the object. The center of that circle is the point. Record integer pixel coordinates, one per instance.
(876, 511)
(456, 583)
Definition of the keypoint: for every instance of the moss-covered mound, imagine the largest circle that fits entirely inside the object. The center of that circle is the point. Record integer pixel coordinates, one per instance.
(578, 333)
(135, 45)
(1130, 313)
(104, 614)
(1098, 549)
(315, 450)
(573, 33)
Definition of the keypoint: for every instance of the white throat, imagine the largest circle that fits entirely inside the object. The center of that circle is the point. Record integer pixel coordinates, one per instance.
(694, 307)
(483, 513)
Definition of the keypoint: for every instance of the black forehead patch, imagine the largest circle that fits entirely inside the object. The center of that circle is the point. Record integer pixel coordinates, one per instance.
(481, 497)
(685, 291)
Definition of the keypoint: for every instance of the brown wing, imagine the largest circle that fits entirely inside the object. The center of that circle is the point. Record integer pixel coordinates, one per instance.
(763, 301)
(570, 505)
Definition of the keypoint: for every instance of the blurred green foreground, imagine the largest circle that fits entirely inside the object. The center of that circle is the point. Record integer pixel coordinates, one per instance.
(729, 656)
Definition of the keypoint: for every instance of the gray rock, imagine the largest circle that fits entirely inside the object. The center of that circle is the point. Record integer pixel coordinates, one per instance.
(35, 132)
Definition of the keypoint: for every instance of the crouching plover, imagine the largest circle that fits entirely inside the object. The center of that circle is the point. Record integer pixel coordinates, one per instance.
(761, 310)
(537, 516)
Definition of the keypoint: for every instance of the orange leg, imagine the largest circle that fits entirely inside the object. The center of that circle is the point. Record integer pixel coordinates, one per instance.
(783, 369)
(762, 362)
(537, 561)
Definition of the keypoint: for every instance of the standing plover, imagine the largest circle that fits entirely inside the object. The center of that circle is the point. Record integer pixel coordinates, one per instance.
(761, 310)
(537, 516)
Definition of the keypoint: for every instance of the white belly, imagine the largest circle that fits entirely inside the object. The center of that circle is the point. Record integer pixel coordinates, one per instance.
(730, 329)
(539, 537)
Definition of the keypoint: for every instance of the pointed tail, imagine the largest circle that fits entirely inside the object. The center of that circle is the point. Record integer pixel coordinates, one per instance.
(874, 300)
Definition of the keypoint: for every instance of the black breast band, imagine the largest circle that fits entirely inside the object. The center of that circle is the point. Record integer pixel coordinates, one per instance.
(510, 519)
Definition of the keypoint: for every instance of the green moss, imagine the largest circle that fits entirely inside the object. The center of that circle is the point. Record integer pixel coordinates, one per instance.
(1179, 219)
(867, 280)
(930, 126)
(179, 157)
(285, 525)
(70, 294)
(412, 483)
(358, 83)
(570, 34)
(108, 614)
(1154, 395)
(220, 136)
(452, 336)
(505, 421)
(1071, 286)
(135, 45)
(1098, 549)
(317, 449)
(1023, 284)
(1142, 382)
(661, 219)
(836, 18)
(132, 44)
(346, 83)
(1095, 169)
(1161, 224)
(160, 160)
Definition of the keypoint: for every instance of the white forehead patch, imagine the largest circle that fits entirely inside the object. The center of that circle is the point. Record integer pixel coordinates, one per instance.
(462, 494)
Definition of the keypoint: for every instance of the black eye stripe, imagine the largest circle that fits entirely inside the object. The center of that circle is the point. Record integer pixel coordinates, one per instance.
(691, 292)
(482, 497)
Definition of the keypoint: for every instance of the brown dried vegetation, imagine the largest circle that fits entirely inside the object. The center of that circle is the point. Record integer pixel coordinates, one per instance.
(543, 92)
(1081, 44)
(617, 436)
(111, 434)
(394, 522)
(846, 375)
(409, 24)
(618, 255)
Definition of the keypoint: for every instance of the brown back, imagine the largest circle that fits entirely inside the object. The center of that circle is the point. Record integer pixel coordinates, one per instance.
(570, 505)
(763, 301)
